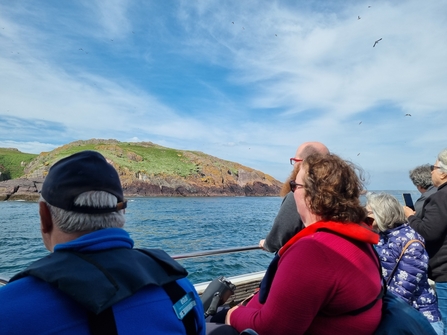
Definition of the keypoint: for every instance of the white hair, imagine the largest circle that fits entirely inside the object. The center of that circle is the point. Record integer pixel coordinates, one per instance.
(71, 222)
(442, 160)
(387, 210)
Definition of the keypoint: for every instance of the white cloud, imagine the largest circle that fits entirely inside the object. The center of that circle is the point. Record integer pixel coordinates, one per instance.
(251, 91)
(28, 147)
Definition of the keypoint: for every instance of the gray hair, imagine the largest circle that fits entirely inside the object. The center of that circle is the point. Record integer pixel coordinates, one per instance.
(71, 222)
(387, 210)
(442, 159)
(421, 176)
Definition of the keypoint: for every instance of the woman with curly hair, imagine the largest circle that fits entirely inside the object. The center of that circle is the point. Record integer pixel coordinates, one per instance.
(326, 279)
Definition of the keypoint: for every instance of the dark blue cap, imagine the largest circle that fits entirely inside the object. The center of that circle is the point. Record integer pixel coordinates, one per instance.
(82, 172)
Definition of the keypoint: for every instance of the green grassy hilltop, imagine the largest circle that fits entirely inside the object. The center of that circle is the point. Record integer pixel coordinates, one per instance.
(13, 162)
(149, 169)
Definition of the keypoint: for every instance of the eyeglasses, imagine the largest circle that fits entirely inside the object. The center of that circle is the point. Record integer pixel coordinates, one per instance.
(369, 221)
(433, 167)
(294, 160)
(294, 186)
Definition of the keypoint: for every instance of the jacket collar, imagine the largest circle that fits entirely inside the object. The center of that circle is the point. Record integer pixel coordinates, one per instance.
(355, 231)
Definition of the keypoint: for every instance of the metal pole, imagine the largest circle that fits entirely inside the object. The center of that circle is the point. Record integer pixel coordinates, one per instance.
(215, 252)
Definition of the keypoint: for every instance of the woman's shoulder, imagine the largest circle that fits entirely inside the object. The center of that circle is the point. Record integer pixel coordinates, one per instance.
(400, 235)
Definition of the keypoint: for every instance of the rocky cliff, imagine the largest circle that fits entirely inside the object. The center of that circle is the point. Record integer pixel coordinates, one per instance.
(147, 169)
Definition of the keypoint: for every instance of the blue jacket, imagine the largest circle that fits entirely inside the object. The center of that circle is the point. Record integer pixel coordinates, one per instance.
(410, 280)
(32, 306)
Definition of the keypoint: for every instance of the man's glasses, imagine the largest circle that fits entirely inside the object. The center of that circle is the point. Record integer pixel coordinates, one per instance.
(294, 186)
(369, 221)
(433, 167)
(294, 160)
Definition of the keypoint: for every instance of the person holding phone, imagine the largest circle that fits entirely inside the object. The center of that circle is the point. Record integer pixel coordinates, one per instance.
(433, 227)
(421, 178)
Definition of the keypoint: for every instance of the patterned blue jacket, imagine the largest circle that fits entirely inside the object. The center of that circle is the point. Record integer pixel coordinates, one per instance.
(410, 280)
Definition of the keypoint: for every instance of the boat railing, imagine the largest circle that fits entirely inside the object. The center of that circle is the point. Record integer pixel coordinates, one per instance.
(245, 284)
(215, 252)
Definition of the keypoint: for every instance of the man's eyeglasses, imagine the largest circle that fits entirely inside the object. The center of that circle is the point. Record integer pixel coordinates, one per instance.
(433, 167)
(294, 186)
(294, 160)
(369, 221)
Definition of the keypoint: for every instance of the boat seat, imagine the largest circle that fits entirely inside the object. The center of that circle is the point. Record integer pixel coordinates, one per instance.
(248, 331)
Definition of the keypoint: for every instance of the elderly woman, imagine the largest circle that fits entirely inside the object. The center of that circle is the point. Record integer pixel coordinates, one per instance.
(433, 228)
(327, 279)
(407, 278)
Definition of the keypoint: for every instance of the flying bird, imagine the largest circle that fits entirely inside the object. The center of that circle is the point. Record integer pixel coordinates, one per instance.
(232, 22)
(358, 17)
(360, 122)
(377, 42)
(407, 114)
(358, 154)
(369, 6)
(276, 35)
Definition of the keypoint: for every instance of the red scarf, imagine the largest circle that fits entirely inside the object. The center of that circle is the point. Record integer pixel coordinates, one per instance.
(355, 231)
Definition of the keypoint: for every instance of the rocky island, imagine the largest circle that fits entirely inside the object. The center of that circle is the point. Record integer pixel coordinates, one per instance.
(145, 169)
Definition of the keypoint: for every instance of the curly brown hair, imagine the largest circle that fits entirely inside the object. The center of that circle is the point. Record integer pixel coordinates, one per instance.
(332, 188)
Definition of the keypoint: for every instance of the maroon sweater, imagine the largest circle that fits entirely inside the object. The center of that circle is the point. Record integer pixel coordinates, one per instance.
(321, 276)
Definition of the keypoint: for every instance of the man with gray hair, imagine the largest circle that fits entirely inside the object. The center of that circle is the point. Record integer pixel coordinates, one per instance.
(94, 282)
(288, 221)
(421, 178)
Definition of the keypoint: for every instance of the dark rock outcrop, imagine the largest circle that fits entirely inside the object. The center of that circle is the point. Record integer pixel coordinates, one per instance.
(20, 189)
(27, 189)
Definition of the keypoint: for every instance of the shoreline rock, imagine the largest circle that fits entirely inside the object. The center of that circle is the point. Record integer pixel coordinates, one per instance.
(20, 189)
(29, 189)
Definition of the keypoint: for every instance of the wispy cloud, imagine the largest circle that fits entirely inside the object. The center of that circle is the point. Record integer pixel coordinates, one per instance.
(238, 80)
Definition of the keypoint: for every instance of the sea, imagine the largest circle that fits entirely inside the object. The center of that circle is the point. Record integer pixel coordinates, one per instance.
(176, 225)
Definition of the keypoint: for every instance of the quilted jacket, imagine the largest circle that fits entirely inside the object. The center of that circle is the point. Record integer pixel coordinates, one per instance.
(410, 280)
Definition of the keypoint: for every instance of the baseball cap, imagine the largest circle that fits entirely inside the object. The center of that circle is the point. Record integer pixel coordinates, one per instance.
(82, 172)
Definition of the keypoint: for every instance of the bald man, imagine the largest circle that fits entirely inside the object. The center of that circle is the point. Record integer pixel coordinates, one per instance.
(288, 222)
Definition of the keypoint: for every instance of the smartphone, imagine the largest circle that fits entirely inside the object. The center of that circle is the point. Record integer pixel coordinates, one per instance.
(408, 200)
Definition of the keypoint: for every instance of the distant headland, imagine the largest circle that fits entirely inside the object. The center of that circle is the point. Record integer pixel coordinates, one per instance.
(145, 169)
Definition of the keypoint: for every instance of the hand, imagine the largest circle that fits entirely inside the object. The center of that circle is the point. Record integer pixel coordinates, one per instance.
(408, 211)
(261, 244)
(227, 317)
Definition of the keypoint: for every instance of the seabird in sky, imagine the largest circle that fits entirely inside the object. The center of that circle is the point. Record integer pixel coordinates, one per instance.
(377, 42)
(407, 114)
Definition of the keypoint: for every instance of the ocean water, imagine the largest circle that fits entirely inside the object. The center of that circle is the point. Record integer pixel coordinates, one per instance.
(176, 225)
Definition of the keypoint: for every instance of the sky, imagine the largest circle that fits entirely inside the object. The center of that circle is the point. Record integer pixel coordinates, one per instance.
(246, 81)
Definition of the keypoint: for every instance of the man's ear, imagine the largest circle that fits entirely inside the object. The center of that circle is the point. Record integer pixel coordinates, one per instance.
(443, 177)
(46, 222)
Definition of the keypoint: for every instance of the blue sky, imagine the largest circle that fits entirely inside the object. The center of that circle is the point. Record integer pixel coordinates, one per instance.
(246, 81)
